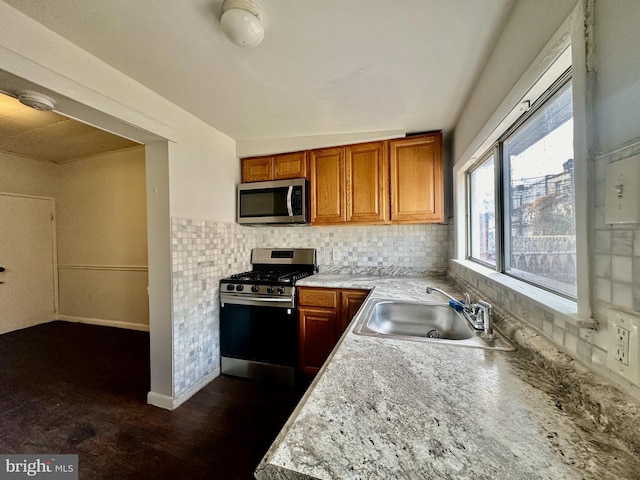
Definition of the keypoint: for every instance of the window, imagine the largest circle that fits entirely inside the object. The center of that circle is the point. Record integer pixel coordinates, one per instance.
(482, 212)
(533, 236)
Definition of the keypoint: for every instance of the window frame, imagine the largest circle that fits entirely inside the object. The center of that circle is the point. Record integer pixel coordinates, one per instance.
(492, 152)
(500, 185)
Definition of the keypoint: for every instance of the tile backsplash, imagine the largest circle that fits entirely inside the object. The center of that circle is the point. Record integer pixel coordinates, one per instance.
(204, 252)
(422, 248)
(615, 281)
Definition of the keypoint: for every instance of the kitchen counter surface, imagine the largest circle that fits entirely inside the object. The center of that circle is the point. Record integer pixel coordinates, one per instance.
(392, 409)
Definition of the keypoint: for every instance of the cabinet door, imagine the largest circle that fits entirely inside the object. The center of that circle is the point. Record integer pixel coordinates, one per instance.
(290, 165)
(318, 335)
(327, 186)
(416, 179)
(352, 300)
(367, 188)
(257, 169)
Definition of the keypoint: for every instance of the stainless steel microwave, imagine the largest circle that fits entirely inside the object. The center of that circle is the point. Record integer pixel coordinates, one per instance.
(276, 202)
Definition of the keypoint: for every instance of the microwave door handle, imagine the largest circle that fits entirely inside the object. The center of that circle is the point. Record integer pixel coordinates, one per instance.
(289, 205)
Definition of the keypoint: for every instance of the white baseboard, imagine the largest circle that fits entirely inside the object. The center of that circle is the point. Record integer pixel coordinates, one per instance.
(159, 400)
(170, 403)
(104, 323)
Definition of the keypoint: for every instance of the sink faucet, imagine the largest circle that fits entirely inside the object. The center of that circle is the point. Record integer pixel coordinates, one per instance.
(479, 314)
(487, 319)
(466, 305)
(431, 289)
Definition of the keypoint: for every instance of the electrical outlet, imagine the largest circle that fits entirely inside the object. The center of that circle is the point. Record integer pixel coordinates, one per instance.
(624, 345)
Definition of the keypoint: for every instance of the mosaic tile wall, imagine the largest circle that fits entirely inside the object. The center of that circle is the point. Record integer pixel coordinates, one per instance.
(615, 271)
(202, 253)
(421, 248)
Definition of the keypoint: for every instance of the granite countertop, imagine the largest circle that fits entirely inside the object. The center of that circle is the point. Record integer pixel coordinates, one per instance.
(393, 409)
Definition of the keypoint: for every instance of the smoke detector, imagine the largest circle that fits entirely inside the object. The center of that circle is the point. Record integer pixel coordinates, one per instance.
(36, 100)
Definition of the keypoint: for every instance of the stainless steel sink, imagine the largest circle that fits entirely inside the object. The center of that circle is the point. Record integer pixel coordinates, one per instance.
(423, 322)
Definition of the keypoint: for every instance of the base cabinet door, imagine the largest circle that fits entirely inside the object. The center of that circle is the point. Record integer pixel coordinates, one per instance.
(323, 314)
(352, 300)
(318, 336)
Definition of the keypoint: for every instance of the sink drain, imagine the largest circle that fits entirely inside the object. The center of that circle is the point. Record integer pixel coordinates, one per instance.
(433, 333)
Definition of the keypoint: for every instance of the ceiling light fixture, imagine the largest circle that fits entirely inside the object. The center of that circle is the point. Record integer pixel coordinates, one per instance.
(242, 22)
(36, 100)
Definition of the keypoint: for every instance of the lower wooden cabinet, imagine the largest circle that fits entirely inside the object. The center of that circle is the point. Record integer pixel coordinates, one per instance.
(324, 314)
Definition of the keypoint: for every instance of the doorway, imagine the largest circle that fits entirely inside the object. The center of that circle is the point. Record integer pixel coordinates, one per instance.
(27, 256)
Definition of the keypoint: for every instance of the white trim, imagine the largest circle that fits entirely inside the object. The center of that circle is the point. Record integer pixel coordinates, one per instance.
(547, 67)
(104, 323)
(560, 306)
(159, 400)
(169, 403)
(117, 268)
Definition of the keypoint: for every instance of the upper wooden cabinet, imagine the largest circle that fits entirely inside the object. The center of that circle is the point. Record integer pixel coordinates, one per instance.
(396, 181)
(327, 173)
(367, 187)
(349, 184)
(417, 179)
(275, 167)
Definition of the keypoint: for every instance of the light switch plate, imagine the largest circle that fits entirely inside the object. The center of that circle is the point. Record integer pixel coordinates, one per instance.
(623, 354)
(622, 198)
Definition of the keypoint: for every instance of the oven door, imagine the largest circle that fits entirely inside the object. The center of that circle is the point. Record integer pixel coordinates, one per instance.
(266, 335)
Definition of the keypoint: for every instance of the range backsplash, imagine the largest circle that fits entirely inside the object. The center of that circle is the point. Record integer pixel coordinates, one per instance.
(204, 252)
(381, 248)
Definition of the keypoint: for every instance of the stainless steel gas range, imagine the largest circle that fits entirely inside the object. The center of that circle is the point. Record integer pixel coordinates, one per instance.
(258, 317)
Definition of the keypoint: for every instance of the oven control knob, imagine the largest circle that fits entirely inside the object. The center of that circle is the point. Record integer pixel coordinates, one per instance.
(255, 288)
(280, 290)
(230, 287)
(239, 288)
(269, 289)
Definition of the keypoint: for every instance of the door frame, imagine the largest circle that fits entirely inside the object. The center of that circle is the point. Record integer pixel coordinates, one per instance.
(54, 242)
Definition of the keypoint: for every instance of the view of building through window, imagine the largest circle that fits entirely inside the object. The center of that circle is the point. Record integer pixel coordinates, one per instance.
(483, 212)
(540, 226)
(539, 212)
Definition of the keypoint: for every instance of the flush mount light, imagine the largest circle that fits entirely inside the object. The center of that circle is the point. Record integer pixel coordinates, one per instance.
(242, 22)
(36, 100)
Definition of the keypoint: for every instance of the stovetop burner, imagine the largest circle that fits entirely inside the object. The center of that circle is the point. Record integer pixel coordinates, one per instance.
(272, 276)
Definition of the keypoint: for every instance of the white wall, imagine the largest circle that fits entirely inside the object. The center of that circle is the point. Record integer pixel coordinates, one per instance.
(608, 86)
(101, 232)
(617, 94)
(528, 28)
(102, 239)
(202, 166)
(26, 176)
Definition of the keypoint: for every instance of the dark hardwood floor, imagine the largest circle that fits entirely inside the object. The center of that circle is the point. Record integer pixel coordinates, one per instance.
(73, 388)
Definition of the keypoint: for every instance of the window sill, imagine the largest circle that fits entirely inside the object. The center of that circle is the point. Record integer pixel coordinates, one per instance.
(559, 306)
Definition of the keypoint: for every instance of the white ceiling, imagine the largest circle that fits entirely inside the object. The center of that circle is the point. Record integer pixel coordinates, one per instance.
(325, 67)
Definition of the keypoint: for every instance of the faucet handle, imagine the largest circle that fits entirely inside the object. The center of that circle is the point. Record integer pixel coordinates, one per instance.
(467, 298)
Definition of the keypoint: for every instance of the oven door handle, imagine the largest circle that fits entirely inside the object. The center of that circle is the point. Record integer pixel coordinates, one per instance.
(289, 204)
(242, 300)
